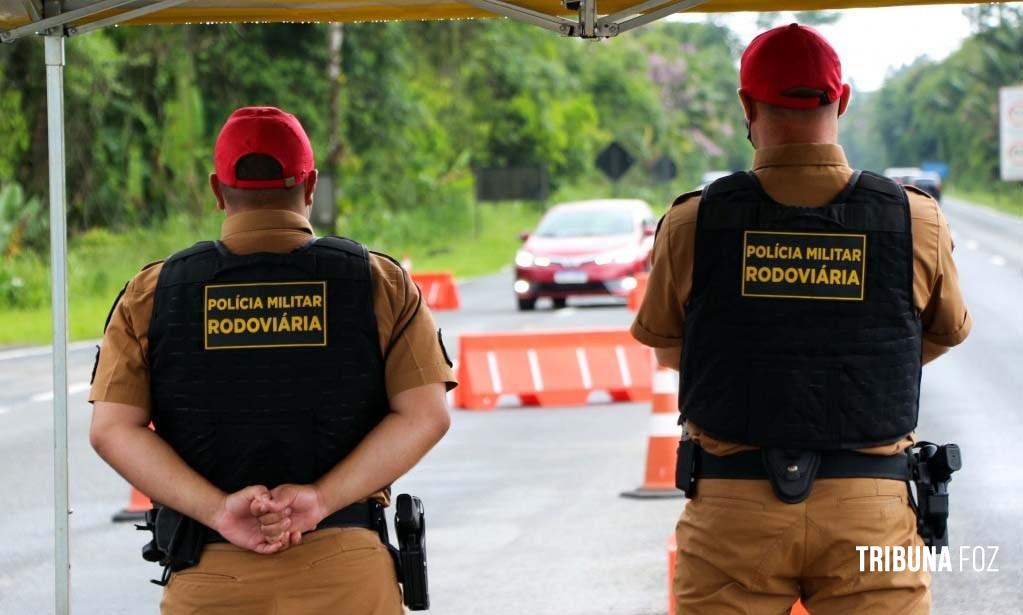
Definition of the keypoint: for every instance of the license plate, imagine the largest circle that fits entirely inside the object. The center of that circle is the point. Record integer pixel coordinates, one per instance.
(570, 277)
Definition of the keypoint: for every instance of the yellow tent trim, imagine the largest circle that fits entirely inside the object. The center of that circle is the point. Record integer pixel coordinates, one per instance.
(14, 13)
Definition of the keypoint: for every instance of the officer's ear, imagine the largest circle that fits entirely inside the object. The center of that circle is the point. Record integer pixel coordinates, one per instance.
(843, 100)
(217, 191)
(748, 106)
(310, 187)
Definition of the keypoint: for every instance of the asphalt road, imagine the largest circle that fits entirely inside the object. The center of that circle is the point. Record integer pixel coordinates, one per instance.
(523, 506)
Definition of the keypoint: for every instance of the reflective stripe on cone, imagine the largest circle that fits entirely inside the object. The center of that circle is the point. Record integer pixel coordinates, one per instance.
(664, 434)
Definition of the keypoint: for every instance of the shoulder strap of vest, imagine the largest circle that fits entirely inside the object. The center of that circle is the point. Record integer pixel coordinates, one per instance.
(743, 180)
(878, 183)
(199, 248)
(854, 182)
(678, 201)
(343, 244)
(688, 195)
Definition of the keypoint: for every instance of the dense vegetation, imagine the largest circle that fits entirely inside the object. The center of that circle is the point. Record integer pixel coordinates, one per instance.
(947, 111)
(401, 114)
(420, 104)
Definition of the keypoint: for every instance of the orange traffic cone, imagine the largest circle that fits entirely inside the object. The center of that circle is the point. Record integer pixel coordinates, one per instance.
(799, 609)
(138, 504)
(664, 436)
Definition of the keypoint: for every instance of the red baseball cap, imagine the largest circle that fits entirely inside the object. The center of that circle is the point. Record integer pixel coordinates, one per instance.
(791, 66)
(268, 131)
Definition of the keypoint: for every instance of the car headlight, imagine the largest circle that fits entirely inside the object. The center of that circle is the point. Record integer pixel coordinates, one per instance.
(523, 259)
(619, 257)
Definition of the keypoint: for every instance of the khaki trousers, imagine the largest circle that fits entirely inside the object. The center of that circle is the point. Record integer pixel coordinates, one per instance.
(342, 571)
(743, 551)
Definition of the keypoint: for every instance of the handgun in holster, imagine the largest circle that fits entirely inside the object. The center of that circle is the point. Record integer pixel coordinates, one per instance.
(932, 467)
(177, 541)
(410, 525)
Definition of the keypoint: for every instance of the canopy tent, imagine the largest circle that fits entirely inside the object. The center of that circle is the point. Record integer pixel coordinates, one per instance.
(57, 19)
(26, 16)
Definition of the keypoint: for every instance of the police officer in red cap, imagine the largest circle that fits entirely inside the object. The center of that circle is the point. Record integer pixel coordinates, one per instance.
(289, 379)
(799, 301)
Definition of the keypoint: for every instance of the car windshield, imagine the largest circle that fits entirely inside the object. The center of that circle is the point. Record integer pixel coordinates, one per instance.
(585, 223)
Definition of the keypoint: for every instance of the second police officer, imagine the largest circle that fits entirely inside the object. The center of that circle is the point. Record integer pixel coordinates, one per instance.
(290, 380)
(800, 301)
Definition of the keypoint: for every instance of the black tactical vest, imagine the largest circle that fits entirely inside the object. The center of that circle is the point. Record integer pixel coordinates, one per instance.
(266, 368)
(801, 330)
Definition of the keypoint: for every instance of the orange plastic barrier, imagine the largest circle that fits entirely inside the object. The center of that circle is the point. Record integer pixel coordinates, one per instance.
(664, 434)
(551, 368)
(138, 504)
(797, 608)
(438, 290)
(637, 294)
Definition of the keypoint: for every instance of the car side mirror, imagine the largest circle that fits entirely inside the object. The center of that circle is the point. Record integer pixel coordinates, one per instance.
(523, 236)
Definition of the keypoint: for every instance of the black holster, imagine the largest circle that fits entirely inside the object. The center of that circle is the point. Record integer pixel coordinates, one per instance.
(177, 541)
(410, 526)
(932, 468)
(685, 468)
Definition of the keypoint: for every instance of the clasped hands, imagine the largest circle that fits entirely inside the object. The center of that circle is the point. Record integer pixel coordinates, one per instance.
(267, 521)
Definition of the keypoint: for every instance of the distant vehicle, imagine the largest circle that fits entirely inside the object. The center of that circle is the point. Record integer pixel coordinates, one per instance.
(710, 177)
(928, 181)
(584, 248)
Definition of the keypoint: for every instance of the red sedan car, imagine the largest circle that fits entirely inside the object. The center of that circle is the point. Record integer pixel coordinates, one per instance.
(585, 248)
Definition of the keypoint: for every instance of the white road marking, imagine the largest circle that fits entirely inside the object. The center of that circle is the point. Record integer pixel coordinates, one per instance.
(997, 260)
(534, 369)
(39, 351)
(972, 245)
(4, 409)
(565, 312)
(73, 389)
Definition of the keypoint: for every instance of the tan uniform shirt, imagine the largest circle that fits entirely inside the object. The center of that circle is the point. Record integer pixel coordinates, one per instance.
(416, 357)
(808, 175)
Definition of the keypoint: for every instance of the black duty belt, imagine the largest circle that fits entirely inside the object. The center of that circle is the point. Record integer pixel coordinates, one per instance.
(363, 514)
(791, 473)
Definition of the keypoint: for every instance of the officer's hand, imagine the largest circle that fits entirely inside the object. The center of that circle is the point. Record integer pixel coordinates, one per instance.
(292, 510)
(235, 522)
(260, 509)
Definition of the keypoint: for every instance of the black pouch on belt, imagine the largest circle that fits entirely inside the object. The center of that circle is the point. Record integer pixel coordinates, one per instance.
(180, 539)
(685, 468)
(791, 472)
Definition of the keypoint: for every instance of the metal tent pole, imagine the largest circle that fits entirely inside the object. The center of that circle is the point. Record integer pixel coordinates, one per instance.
(54, 49)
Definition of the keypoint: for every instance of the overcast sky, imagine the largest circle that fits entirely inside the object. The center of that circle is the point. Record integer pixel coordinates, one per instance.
(871, 42)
